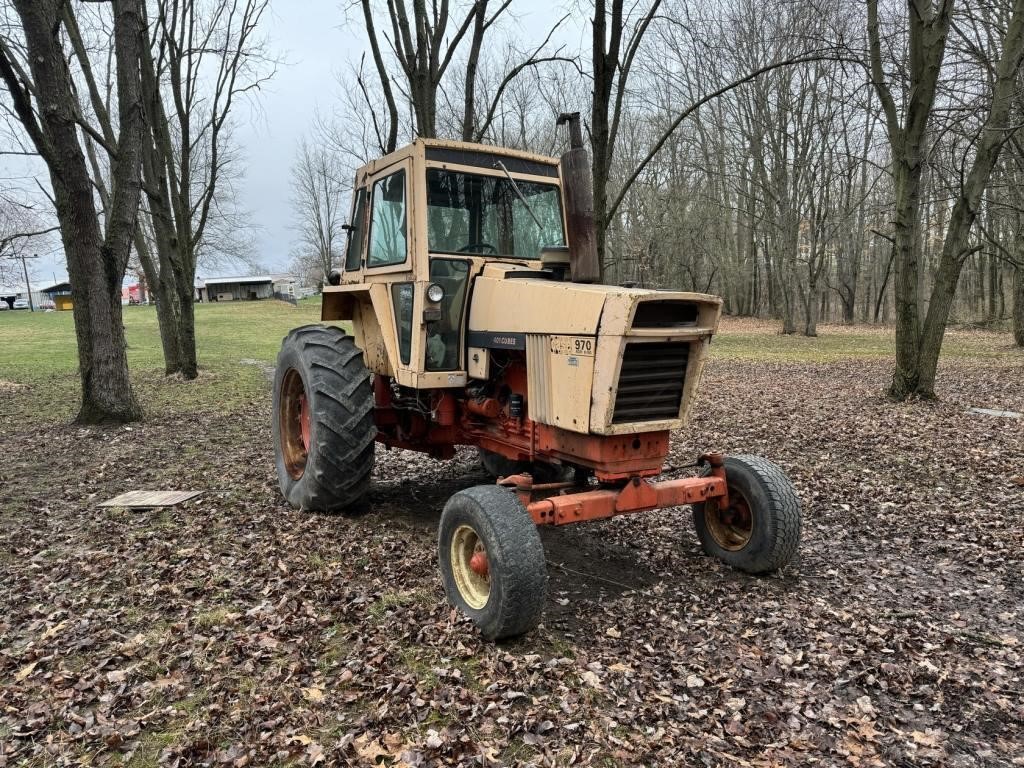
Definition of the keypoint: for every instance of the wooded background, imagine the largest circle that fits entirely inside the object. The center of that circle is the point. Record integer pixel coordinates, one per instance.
(777, 194)
(808, 161)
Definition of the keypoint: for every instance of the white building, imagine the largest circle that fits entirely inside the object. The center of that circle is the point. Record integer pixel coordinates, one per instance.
(252, 288)
(11, 293)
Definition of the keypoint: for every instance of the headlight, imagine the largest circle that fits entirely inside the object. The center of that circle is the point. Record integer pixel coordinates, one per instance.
(435, 292)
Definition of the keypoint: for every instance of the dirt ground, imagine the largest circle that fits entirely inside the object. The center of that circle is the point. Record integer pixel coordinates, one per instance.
(236, 631)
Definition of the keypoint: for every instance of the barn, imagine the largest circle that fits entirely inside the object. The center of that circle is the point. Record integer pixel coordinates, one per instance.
(251, 288)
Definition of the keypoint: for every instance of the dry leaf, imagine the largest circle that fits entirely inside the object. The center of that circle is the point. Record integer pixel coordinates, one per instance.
(25, 671)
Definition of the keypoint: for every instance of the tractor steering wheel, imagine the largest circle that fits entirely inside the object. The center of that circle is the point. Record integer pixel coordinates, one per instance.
(477, 248)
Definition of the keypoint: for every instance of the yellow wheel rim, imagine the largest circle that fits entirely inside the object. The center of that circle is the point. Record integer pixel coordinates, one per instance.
(731, 528)
(470, 567)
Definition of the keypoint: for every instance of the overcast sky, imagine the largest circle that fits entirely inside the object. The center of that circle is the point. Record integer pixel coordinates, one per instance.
(316, 44)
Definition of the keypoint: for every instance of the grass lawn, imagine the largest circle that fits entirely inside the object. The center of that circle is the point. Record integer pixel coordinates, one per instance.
(38, 349)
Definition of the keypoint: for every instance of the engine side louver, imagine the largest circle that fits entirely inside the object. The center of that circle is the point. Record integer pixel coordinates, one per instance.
(651, 381)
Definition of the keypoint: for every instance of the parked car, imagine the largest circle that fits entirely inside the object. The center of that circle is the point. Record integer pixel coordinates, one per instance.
(20, 304)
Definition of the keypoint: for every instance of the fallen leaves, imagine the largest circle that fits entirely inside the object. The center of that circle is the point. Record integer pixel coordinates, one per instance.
(234, 631)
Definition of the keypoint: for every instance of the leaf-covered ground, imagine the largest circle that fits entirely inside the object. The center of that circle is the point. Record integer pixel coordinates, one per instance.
(236, 631)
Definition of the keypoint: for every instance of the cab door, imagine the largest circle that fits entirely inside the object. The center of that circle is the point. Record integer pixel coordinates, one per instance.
(389, 255)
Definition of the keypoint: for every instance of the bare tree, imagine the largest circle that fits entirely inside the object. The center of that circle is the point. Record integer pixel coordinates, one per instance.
(206, 56)
(317, 206)
(22, 226)
(616, 40)
(202, 57)
(919, 336)
(96, 258)
(423, 49)
(1018, 302)
(424, 41)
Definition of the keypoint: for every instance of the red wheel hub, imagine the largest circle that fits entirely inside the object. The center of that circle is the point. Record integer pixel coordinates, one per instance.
(478, 563)
(304, 420)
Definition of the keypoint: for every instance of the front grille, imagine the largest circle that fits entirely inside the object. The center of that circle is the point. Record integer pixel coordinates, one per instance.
(651, 381)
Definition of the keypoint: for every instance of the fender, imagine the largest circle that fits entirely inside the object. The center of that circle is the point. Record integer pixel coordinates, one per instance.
(368, 308)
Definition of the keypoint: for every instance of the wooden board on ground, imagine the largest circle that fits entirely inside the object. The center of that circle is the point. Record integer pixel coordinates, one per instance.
(149, 499)
(995, 412)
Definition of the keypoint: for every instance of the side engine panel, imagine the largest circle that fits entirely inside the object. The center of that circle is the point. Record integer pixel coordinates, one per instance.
(560, 374)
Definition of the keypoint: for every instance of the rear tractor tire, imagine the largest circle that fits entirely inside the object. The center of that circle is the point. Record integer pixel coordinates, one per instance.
(492, 561)
(760, 530)
(323, 420)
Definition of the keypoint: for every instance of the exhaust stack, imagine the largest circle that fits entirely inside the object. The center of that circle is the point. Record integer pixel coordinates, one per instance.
(579, 202)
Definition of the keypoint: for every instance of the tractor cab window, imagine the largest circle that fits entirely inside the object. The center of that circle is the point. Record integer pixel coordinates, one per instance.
(354, 255)
(388, 222)
(444, 334)
(485, 215)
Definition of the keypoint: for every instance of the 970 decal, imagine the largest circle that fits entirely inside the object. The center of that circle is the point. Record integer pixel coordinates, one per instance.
(582, 346)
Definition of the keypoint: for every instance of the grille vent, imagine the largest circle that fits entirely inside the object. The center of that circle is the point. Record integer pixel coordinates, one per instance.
(651, 381)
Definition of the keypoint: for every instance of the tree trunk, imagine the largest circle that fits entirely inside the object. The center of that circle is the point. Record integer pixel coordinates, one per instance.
(1018, 306)
(185, 284)
(788, 287)
(187, 331)
(811, 308)
(787, 292)
(165, 315)
(880, 304)
(605, 61)
(907, 182)
(955, 247)
(599, 163)
(993, 287)
(96, 264)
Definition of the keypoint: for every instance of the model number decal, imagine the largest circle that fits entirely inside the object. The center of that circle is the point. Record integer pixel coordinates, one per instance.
(582, 346)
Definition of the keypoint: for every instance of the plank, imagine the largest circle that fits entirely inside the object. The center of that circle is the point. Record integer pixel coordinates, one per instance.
(148, 499)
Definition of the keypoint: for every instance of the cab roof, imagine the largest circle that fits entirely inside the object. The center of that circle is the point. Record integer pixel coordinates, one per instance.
(458, 152)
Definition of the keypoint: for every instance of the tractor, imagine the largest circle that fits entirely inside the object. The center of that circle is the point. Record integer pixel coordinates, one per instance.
(471, 284)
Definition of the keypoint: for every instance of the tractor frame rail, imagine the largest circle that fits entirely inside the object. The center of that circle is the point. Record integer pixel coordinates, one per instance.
(558, 505)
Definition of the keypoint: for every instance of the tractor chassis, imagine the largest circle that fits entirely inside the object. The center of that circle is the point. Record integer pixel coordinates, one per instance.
(563, 503)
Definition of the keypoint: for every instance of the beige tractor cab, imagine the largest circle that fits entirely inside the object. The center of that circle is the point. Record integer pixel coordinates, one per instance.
(470, 283)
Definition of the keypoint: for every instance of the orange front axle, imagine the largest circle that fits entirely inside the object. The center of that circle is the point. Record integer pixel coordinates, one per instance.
(637, 495)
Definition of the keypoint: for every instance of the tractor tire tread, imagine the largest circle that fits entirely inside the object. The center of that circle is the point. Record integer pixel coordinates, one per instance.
(513, 544)
(341, 458)
(783, 521)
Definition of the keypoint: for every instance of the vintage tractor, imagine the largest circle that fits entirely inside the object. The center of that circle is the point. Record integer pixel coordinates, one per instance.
(470, 282)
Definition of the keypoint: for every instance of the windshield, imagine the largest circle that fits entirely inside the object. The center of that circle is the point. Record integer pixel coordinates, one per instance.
(468, 213)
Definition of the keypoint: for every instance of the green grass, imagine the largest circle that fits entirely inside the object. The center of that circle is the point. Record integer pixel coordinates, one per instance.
(747, 339)
(37, 350)
(43, 343)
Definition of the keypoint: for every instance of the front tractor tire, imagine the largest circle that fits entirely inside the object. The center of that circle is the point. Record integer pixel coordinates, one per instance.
(492, 561)
(760, 529)
(323, 420)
